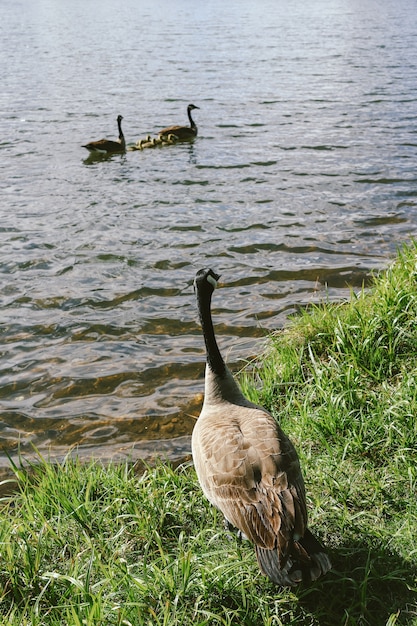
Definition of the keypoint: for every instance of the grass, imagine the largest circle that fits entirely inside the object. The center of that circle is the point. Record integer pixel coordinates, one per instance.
(89, 545)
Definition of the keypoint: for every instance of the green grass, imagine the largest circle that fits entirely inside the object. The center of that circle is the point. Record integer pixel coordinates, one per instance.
(88, 545)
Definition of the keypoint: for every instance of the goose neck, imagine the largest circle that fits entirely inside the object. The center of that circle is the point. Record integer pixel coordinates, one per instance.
(214, 358)
(121, 136)
(192, 123)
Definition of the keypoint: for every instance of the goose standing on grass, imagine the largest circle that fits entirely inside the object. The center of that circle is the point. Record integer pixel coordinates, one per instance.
(107, 146)
(248, 468)
(182, 133)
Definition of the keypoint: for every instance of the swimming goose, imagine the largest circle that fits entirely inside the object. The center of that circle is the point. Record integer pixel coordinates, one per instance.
(249, 469)
(169, 139)
(107, 146)
(182, 132)
(153, 141)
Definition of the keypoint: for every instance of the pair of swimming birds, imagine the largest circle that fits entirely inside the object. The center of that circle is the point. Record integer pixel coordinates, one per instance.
(180, 133)
(248, 468)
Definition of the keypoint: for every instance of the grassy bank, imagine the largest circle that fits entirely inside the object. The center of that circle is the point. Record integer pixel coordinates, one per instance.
(100, 546)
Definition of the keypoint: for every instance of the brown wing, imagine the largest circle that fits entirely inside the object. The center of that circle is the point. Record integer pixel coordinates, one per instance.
(170, 129)
(249, 469)
(181, 132)
(104, 145)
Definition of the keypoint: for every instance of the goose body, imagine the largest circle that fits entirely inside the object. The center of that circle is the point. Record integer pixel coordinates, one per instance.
(169, 139)
(248, 468)
(153, 141)
(182, 133)
(107, 146)
(141, 142)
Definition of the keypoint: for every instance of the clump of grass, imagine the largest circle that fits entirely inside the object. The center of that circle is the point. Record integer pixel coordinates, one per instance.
(93, 545)
(342, 380)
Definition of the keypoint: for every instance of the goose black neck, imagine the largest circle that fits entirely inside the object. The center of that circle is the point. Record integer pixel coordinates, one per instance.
(119, 124)
(192, 123)
(214, 358)
(121, 135)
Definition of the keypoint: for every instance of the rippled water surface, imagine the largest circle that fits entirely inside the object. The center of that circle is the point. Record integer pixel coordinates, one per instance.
(302, 180)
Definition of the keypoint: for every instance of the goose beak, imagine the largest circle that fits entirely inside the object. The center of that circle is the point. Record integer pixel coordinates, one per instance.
(213, 278)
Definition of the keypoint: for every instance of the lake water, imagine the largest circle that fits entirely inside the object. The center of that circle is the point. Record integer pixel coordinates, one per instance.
(301, 182)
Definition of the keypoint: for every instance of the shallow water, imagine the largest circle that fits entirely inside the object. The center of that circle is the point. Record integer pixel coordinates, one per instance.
(300, 183)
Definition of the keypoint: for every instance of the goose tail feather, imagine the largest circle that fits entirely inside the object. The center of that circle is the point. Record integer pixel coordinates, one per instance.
(307, 562)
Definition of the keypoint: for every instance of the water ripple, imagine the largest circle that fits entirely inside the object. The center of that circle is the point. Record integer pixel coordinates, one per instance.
(301, 183)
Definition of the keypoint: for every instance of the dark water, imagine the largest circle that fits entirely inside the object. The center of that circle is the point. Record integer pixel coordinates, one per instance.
(301, 182)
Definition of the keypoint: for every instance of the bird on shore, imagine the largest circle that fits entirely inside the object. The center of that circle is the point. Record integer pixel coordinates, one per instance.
(182, 133)
(107, 146)
(248, 468)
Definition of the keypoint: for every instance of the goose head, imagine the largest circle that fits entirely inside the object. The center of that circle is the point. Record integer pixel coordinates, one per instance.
(206, 281)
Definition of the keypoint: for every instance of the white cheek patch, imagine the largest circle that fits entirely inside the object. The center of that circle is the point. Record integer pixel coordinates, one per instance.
(212, 281)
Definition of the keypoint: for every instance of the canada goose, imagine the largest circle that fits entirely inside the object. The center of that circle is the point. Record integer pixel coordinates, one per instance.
(107, 146)
(143, 141)
(182, 132)
(168, 139)
(154, 141)
(249, 469)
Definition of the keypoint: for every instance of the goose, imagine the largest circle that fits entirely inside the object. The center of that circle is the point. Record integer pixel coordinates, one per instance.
(142, 142)
(154, 141)
(139, 144)
(107, 146)
(171, 138)
(248, 468)
(182, 132)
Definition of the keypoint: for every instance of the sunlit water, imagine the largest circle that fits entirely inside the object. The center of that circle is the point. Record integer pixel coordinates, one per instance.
(301, 182)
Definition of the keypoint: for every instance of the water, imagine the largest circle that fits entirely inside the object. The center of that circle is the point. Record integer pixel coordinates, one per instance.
(301, 182)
